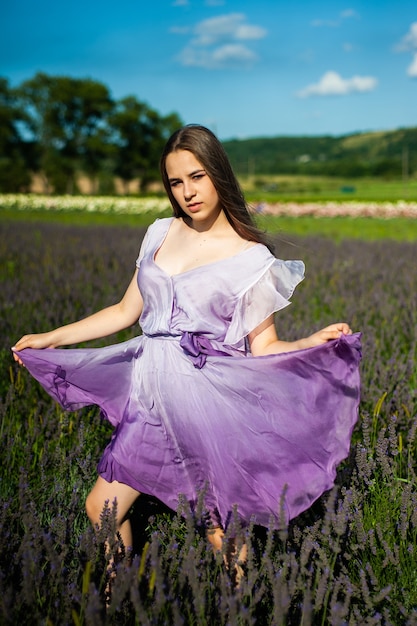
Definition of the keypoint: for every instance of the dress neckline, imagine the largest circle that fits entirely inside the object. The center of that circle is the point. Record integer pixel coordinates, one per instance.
(197, 267)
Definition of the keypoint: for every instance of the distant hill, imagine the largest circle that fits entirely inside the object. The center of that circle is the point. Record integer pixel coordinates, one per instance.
(390, 154)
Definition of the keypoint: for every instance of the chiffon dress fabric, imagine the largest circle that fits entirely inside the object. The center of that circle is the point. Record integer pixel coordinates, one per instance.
(194, 412)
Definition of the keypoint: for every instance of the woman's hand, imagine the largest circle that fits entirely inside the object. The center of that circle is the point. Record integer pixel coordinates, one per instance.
(38, 341)
(263, 340)
(334, 331)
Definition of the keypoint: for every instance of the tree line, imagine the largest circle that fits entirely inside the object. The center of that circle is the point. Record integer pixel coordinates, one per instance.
(58, 126)
(389, 155)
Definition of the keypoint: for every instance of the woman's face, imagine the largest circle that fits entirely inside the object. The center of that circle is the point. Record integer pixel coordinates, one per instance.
(191, 186)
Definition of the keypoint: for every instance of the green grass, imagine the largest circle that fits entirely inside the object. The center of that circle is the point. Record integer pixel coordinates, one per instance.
(367, 229)
(81, 218)
(337, 228)
(320, 188)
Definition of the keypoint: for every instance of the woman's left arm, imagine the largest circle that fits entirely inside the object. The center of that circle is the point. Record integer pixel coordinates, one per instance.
(264, 339)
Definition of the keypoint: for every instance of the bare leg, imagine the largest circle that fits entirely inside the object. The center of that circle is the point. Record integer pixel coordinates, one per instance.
(124, 496)
(215, 537)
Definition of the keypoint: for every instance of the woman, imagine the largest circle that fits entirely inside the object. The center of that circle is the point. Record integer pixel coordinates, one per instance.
(208, 398)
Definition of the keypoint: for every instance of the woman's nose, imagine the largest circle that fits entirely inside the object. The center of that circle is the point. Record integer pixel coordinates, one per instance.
(189, 191)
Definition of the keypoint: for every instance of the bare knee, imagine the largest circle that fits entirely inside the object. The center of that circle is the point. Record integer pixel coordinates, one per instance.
(94, 508)
(105, 494)
(215, 537)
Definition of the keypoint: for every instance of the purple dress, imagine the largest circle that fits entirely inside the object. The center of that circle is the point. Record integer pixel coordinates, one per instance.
(193, 410)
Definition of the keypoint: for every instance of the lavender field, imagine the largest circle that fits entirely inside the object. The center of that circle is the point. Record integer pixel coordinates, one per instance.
(350, 560)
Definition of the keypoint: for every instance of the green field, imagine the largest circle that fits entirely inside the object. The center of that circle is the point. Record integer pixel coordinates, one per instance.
(337, 228)
(370, 229)
(314, 188)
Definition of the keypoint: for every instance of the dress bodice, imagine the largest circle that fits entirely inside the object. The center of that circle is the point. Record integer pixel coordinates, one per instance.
(223, 300)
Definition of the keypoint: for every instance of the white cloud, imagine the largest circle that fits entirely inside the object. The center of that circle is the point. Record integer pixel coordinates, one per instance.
(180, 3)
(228, 55)
(409, 41)
(335, 23)
(332, 84)
(348, 13)
(217, 42)
(233, 52)
(226, 27)
(408, 44)
(412, 69)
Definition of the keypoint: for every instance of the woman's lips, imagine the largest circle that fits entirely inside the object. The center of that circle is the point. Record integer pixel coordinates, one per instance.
(194, 207)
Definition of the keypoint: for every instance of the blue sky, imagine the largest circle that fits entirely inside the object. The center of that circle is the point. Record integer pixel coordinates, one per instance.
(245, 69)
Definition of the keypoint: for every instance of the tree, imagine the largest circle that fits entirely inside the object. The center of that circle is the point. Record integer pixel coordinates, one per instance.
(139, 136)
(14, 152)
(389, 168)
(68, 120)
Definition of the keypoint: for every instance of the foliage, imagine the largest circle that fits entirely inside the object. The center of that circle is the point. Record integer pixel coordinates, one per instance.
(72, 125)
(14, 154)
(140, 137)
(350, 559)
(390, 154)
(67, 121)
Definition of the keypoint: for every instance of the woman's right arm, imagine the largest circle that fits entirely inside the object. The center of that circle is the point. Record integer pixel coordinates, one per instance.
(105, 322)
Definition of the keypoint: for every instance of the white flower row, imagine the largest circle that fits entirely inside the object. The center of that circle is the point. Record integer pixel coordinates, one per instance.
(154, 204)
(340, 209)
(100, 204)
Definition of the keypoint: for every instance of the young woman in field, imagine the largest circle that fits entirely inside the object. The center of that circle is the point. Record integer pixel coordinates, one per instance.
(208, 399)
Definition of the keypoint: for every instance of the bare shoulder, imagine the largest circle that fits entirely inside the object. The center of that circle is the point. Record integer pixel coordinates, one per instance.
(178, 228)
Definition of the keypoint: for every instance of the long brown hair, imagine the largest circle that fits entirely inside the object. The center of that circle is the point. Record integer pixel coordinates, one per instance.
(208, 150)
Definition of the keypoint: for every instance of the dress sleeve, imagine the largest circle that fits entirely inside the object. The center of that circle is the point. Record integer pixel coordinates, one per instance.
(154, 236)
(266, 295)
(144, 245)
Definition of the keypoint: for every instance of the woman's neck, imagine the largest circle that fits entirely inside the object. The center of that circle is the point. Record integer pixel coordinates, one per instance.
(214, 226)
